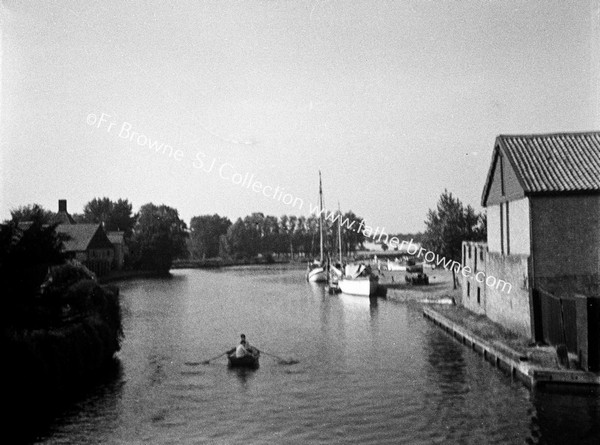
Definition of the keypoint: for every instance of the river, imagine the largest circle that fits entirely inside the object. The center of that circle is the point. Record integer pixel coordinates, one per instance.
(367, 372)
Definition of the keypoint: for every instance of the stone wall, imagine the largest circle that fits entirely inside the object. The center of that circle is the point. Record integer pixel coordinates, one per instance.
(507, 296)
(473, 291)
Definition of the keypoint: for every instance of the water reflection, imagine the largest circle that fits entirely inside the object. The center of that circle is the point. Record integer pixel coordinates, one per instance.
(101, 407)
(566, 415)
(318, 289)
(373, 308)
(370, 372)
(447, 363)
(244, 375)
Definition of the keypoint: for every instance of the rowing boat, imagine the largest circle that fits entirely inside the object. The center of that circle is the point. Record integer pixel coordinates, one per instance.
(250, 360)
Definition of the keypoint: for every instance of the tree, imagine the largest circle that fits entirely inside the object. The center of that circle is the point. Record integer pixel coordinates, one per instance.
(116, 216)
(158, 237)
(237, 240)
(286, 234)
(271, 235)
(97, 210)
(352, 236)
(32, 212)
(449, 225)
(122, 217)
(25, 256)
(205, 233)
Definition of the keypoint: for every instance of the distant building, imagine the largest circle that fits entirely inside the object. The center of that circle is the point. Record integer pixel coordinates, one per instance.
(63, 217)
(88, 244)
(120, 248)
(542, 196)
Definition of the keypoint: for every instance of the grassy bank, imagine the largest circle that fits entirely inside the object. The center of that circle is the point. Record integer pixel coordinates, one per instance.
(439, 288)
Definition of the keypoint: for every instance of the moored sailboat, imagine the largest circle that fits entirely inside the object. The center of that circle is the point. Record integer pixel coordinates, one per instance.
(316, 271)
(358, 279)
(335, 270)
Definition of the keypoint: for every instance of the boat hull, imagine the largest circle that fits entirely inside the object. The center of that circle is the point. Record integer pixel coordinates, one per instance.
(317, 275)
(393, 265)
(358, 286)
(247, 361)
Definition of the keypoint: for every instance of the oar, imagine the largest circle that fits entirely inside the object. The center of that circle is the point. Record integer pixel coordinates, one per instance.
(206, 362)
(282, 361)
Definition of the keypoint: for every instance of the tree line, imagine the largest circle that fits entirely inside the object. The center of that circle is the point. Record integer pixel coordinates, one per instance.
(288, 236)
(156, 235)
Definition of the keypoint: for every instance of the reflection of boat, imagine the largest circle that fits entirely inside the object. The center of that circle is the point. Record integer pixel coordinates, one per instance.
(250, 360)
(357, 301)
(316, 270)
(358, 280)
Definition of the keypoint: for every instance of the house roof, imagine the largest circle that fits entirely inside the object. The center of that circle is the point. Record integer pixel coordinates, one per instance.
(83, 236)
(551, 163)
(115, 237)
(63, 217)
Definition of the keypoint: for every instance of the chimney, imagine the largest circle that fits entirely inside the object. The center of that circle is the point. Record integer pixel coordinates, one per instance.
(62, 205)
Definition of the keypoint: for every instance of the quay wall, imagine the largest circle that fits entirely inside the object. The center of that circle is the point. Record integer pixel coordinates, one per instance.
(509, 308)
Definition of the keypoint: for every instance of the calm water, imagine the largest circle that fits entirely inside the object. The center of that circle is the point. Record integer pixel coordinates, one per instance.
(367, 373)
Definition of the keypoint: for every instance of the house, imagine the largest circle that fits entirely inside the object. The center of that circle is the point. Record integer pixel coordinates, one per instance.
(120, 248)
(89, 244)
(542, 196)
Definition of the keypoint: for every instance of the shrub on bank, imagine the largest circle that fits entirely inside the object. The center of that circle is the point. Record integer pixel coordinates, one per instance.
(45, 366)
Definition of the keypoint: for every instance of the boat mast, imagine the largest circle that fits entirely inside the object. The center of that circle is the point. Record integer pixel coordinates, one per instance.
(340, 232)
(321, 216)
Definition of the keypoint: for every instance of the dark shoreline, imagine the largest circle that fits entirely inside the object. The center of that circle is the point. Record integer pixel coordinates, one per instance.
(217, 263)
(50, 366)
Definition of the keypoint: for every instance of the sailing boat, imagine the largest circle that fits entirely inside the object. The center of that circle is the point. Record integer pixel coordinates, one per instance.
(358, 279)
(335, 270)
(354, 279)
(316, 272)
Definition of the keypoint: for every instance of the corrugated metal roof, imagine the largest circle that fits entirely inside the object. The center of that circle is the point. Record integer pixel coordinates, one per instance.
(563, 162)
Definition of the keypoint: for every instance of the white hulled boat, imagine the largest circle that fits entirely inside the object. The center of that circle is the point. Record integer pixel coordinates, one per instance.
(358, 280)
(395, 265)
(316, 272)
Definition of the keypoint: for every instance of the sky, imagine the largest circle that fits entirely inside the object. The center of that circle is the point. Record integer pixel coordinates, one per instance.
(233, 107)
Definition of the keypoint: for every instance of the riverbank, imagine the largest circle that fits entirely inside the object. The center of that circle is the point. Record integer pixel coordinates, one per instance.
(121, 275)
(439, 290)
(214, 263)
(47, 366)
(532, 364)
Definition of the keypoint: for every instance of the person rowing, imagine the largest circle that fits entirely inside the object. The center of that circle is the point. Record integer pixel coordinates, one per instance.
(242, 349)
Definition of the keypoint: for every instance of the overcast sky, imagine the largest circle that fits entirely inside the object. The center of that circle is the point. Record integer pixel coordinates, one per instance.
(393, 101)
